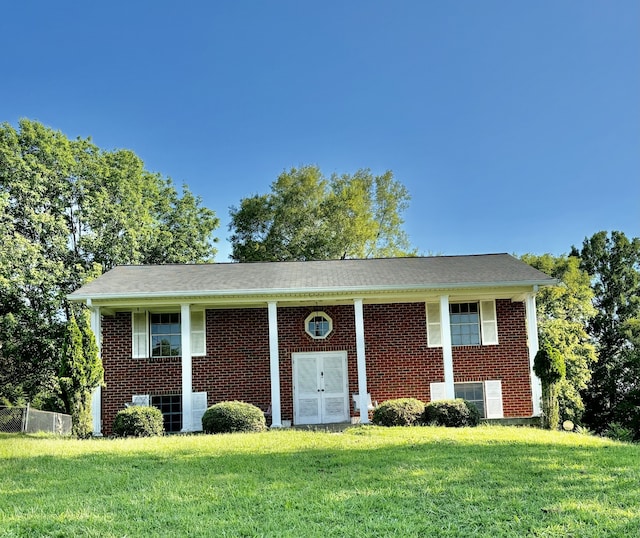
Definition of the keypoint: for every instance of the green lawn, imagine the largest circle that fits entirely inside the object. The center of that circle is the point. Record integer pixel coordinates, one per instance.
(364, 482)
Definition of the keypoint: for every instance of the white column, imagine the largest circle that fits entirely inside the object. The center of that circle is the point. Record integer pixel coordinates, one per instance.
(447, 353)
(274, 366)
(96, 394)
(362, 362)
(532, 338)
(187, 372)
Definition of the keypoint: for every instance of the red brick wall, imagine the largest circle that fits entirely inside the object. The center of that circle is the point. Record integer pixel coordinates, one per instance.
(236, 366)
(125, 376)
(508, 361)
(399, 362)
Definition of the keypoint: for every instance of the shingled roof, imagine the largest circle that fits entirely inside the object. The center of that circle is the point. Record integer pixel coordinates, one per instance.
(414, 273)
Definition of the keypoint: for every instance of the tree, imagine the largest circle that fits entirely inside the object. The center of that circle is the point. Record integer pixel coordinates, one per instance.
(549, 366)
(68, 212)
(613, 262)
(564, 312)
(81, 371)
(33, 258)
(124, 214)
(627, 412)
(309, 217)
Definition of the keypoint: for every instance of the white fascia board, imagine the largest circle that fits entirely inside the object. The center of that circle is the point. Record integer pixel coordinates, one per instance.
(293, 292)
(332, 296)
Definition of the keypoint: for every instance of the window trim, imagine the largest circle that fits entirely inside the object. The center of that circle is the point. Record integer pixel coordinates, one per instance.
(492, 394)
(488, 323)
(322, 314)
(141, 332)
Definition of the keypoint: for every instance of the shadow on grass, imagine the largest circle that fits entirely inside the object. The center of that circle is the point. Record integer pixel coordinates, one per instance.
(413, 489)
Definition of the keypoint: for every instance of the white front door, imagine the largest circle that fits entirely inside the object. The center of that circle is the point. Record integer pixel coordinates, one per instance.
(320, 388)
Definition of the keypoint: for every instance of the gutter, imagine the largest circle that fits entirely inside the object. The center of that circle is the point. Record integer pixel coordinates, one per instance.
(355, 290)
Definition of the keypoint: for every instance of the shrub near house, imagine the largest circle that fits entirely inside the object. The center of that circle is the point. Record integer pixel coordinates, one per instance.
(451, 413)
(138, 421)
(231, 417)
(399, 412)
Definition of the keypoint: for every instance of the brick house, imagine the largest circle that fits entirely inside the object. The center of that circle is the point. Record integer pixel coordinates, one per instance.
(316, 342)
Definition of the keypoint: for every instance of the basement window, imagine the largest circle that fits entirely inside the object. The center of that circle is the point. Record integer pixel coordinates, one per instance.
(318, 325)
(472, 392)
(171, 408)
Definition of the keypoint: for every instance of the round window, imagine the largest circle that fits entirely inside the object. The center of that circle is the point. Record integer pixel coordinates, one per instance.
(318, 325)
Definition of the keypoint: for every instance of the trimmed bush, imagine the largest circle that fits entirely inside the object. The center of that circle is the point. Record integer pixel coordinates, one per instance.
(399, 412)
(230, 417)
(451, 413)
(138, 421)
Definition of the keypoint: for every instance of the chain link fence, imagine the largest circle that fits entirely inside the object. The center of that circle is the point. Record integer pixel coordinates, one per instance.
(28, 420)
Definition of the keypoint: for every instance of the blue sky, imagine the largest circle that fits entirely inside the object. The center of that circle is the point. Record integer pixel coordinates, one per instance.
(515, 126)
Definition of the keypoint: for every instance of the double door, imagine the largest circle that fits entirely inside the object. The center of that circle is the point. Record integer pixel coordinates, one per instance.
(320, 388)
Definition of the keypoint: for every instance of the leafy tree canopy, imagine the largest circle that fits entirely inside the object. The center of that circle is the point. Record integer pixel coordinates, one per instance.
(307, 216)
(69, 211)
(564, 312)
(613, 262)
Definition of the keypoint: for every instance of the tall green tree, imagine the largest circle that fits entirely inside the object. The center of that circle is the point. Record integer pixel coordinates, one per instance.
(69, 211)
(80, 372)
(627, 412)
(307, 216)
(613, 262)
(564, 313)
(33, 257)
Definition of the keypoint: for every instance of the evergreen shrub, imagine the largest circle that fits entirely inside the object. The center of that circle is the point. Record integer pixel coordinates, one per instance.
(399, 412)
(451, 413)
(230, 417)
(138, 421)
(618, 432)
(550, 367)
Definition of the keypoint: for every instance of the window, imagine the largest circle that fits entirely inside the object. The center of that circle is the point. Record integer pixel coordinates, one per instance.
(465, 324)
(472, 392)
(471, 324)
(318, 325)
(159, 334)
(165, 335)
(171, 408)
(487, 395)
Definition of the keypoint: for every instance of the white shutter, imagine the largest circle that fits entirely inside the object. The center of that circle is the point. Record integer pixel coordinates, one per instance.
(488, 322)
(140, 399)
(140, 335)
(434, 333)
(198, 407)
(198, 332)
(438, 391)
(493, 399)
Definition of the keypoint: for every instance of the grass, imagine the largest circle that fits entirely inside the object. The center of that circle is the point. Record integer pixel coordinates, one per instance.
(487, 481)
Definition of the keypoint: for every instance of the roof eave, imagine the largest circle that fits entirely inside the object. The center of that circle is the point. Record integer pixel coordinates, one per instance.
(354, 290)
